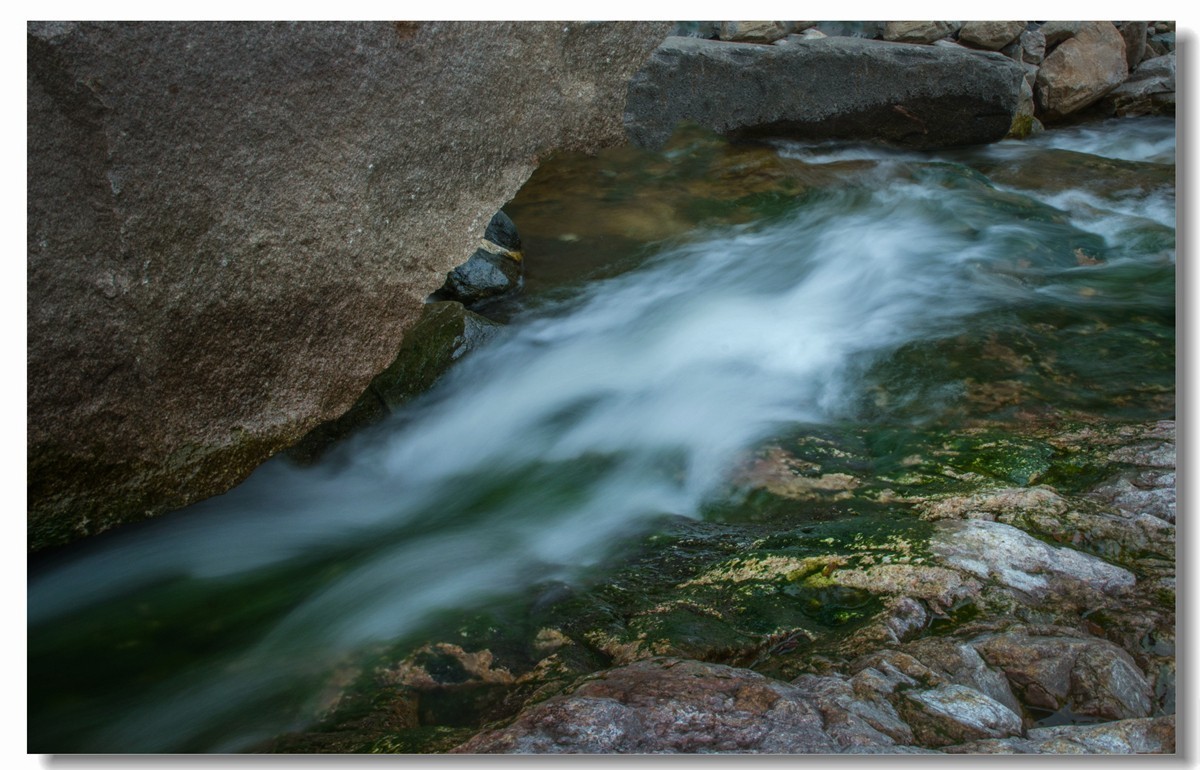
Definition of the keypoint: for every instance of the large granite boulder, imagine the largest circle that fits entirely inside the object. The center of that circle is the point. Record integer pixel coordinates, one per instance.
(828, 88)
(1081, 70)
(230, 226)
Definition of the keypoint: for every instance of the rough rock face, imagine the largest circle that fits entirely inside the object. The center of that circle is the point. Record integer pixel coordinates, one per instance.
(918, 31)
(951, 713)
(992, 35)
(845, 88)
(1081, 69)
(1050, 670)
(1011, 558)
(231, 225)
(1128, 736)
(1134, 35)
(1150, 89)
(667, 706)
(445, 332)
(754, 31)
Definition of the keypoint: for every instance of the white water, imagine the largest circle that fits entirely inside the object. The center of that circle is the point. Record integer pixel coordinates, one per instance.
(632, 400)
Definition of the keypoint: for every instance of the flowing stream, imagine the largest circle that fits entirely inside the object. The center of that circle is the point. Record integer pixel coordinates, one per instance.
(686, 307)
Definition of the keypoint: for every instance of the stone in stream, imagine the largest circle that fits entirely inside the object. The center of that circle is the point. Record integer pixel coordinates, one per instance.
(1161, 44)
(667, 705)
(957, 662)
(843, 88)
(1033, 46)
(495, 268)
(1055, 32)
(1024, 122)
(1080, 70)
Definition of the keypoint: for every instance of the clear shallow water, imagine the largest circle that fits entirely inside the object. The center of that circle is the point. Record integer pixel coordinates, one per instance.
(606, 404)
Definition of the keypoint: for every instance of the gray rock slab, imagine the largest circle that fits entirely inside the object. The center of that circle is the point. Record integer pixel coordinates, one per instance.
(845, 88)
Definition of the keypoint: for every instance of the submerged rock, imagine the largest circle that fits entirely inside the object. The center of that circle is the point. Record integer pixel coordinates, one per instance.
(843, 88)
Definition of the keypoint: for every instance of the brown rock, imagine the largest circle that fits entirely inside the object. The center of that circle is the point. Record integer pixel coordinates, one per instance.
(230, 225)
(1060, 669)
(669, 705)
(853, 718)
(991, 35)
(959, 663)
(1015, 560)
(1056, 32)
(919, 31)
(754, 31)
(1081, 70)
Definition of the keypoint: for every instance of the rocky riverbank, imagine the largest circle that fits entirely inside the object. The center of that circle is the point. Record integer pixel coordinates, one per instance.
(798, 446)
(916, 84)
(996, 618)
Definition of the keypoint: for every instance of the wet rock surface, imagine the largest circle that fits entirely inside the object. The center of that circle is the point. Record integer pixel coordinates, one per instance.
(494, 269)
(947, 630)
(667, 706)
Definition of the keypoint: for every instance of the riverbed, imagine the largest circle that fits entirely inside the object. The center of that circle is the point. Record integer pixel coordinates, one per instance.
(687, 316)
